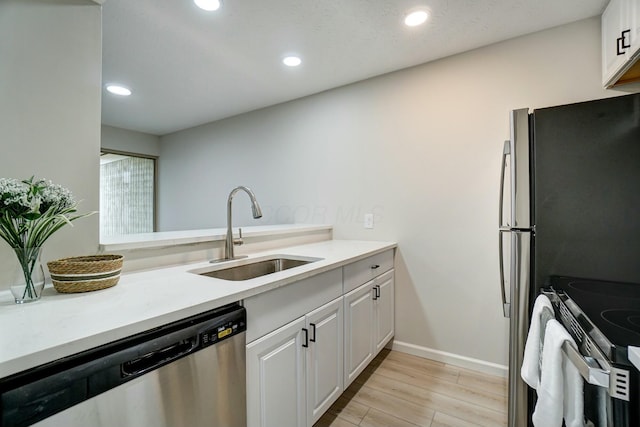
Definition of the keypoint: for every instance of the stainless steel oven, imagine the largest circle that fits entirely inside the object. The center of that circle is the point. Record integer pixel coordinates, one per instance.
(604, 320)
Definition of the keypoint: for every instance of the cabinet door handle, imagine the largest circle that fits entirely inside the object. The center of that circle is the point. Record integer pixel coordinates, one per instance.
(619, 48)
(375, 294)
(626, 39)
(313, 329)
(306, 337)
(622, 42)
(375, 266)
(377, 291)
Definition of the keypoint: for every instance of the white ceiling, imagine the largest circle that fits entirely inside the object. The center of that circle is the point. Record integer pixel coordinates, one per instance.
(187, 67)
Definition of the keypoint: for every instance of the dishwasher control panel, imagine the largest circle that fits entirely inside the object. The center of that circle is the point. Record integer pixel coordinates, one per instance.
(222, 331)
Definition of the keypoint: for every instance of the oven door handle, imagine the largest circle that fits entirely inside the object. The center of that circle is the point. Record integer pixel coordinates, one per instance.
(589, 369)
(615, 380)
(593, 366)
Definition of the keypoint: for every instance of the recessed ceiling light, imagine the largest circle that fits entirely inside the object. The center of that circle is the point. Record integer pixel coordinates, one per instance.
(208, 5)
(118, 90)
(292, 61)
(416, 18)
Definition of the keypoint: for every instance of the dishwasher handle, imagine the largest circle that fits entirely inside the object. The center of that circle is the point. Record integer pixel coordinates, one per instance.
(157, 358)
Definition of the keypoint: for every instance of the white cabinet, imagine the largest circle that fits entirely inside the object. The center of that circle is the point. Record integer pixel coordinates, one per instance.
(359, 272)
(270, 310)
(308, 340)
(276, 379)
(325, 357)
(295, 372)
(358, 337)
(384, 311)
(369, 323)
(620, 24)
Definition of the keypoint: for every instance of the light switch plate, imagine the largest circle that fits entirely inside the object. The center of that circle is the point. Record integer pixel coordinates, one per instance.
(368, 220)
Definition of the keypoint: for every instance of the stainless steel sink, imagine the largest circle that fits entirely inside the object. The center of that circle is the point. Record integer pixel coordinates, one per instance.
(256, 268)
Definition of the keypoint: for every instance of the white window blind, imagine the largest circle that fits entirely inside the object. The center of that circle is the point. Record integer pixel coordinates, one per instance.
(126, 195)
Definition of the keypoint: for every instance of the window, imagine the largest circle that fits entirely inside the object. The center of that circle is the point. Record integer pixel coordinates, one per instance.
(127, 193)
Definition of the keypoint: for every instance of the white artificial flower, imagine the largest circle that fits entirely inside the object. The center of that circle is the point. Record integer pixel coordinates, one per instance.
(31, 210)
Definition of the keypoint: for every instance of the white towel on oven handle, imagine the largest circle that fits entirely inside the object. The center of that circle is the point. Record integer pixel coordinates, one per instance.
(560, 394)
(530, 370)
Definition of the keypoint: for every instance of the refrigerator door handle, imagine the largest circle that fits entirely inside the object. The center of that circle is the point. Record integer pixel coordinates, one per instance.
(506, 307)
(506, 150)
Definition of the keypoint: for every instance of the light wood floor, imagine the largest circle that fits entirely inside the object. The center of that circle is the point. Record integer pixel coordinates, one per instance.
(400, 390)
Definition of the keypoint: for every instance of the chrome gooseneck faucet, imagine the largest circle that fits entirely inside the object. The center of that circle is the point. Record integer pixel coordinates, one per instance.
(257, 213)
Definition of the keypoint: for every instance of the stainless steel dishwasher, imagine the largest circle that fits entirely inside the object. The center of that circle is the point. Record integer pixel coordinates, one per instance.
(190, 373)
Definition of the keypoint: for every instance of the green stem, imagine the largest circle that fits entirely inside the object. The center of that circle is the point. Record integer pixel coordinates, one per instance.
(28, 259)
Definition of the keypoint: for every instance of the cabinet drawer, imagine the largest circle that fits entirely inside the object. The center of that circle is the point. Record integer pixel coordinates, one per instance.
(268, 311)
(366, 269)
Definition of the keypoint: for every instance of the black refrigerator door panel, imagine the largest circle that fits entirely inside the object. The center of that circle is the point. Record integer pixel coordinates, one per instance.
(586, 190)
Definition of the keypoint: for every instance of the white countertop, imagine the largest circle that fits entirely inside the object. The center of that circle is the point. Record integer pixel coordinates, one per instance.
(187, 237)
(63, 324)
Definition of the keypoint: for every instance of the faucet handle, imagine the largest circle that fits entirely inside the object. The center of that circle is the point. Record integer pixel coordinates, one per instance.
(239, 240)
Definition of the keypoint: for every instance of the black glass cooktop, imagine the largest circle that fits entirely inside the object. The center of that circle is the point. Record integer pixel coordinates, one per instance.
(613, 307)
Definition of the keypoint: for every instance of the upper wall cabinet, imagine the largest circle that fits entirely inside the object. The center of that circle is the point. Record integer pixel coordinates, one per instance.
(620, 42)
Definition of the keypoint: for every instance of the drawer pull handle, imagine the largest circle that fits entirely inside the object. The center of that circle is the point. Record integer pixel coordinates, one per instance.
(374, 266)
(313, 328)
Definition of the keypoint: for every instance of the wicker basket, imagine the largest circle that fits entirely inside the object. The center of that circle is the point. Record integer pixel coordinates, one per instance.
(85, 273)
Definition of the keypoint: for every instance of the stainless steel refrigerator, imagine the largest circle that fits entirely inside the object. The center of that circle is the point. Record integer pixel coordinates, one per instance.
(569, 205)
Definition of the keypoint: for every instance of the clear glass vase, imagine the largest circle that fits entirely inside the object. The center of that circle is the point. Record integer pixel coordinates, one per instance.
(28, 281)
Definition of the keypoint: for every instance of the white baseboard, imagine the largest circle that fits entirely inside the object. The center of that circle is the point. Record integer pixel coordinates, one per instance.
(451, 359)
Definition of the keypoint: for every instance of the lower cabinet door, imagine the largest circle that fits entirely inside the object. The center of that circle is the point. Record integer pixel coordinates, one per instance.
(276, 378)
(384, 310)
(358, 330)
(325, 358)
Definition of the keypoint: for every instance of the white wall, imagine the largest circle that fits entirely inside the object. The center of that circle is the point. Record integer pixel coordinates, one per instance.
(420, 148)
(129, 141)
(50, 83)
